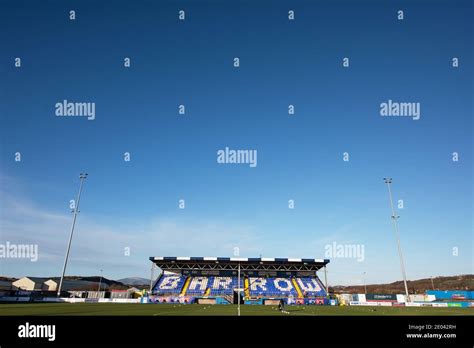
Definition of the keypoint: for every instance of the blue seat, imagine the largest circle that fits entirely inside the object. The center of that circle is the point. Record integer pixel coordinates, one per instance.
(311, 286)
(169, 285)
(271, 287)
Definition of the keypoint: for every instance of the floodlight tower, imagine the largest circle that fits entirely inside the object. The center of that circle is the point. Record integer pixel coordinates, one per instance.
(388, 181)
(100, 282)
(82, 177)
(151, 277)
(326, 280)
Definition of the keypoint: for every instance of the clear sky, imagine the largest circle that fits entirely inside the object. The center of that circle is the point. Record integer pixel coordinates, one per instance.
(135, 204)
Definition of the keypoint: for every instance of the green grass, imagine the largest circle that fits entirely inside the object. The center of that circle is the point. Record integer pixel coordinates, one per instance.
(25, 309)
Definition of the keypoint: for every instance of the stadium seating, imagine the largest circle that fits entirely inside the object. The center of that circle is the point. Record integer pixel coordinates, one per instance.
(198, 286)
(311, 287)
(212, 286)
(174, 285)
(271, 287)
(169, 285)
(221, 286)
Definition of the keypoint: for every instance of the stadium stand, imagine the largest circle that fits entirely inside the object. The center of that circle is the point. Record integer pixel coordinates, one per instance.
(255, 287)
(190, 280)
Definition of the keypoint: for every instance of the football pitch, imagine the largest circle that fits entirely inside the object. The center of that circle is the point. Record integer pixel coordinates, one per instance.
(119, 309)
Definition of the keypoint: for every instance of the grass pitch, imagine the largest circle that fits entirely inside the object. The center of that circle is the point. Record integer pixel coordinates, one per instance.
(88, 309)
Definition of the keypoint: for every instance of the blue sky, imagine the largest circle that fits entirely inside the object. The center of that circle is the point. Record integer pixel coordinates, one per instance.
(135, 204)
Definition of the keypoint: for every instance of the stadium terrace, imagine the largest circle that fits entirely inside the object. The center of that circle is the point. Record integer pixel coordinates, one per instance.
(225, 280)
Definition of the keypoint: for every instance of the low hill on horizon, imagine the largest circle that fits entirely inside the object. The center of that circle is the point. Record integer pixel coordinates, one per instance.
(135, 281)
(458, 282)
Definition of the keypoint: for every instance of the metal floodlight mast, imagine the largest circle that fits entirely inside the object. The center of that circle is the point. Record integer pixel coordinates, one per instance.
(100, 283)
(151, 278)
(388, 181)
(326, 280)
(82, 177)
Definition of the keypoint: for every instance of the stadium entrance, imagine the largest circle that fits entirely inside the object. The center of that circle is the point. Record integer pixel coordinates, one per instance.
(215, 280)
